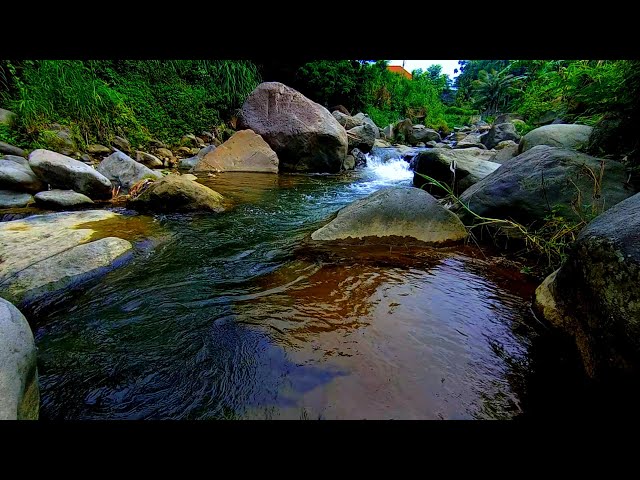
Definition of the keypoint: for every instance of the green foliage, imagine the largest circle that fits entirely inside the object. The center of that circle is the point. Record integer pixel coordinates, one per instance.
(136, 99)
(493, 90)
(523, 128)
(9, 135)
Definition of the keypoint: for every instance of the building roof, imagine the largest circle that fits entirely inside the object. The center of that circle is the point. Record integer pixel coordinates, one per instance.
(400, 70)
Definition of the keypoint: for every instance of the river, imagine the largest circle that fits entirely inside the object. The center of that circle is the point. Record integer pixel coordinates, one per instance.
(225, 318)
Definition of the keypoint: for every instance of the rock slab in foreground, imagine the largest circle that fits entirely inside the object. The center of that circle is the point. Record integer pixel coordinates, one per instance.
(43, 255)
(174, 193)
(304, 135)
(243, 152)
(395, 211)
(595, 297)
(66, 173)
(19, 394)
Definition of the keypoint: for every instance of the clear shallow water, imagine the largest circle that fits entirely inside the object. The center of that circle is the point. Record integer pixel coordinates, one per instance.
(226, 319)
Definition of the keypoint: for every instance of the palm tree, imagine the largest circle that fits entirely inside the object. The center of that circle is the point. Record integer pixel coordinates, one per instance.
(491, 91)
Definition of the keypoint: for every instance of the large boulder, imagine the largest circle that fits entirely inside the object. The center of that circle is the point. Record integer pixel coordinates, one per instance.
(7, 149)
(18, 177)
(62, 200)
(124, 172)
(174, 193)
(500, 132)
(362, 137)
(558, 135)
(304, 135)
(43, 256)
(420, 133)
(470, 164)
(19, 394)
(394, 212)
(595, 297)
(529, 186)
(9, 199)
(66, 173)
(243, 152)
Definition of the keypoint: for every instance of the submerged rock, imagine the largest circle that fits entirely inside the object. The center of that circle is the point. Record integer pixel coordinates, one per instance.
(304, 135)
(595, 297)
(394, 212)
(175, 193)
(19, 393)
(66, 173)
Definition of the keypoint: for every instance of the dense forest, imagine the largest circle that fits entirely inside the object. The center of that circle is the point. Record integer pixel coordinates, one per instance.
(163, 100)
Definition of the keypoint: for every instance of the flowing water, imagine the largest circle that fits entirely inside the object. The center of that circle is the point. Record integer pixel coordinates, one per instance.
(226, 318)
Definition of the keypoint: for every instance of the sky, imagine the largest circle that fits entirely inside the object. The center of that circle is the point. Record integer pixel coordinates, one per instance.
(447, 65)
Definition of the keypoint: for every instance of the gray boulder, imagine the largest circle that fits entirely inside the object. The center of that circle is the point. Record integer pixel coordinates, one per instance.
(121, 144)
(69, 174)
(43, 256)
(304, 135)
(9, 199)
(595, 297)
(471, 165)
(529, 186)
(499, 133)
(505, 151)
(349, 162)
(97, 149)
(362, 137)
(347, 121)
(366, 119)
(559, 135)
(62, 200)
(191, 162)
(14, 158)
(392, 213)
(148, 160)
(19, 394)
(7, 149)
(18, 177)
(420, 133)
(124, 172)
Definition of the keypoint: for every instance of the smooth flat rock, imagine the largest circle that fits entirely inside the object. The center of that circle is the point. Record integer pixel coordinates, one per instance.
(10, 199)
(62, 200)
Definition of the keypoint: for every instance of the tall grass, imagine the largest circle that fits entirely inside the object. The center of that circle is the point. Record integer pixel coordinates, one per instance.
(146, 99)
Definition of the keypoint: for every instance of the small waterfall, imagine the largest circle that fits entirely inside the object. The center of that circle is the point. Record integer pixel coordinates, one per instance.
(391, 171)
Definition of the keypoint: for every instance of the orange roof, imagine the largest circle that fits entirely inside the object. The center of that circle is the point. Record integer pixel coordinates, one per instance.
(400, 70)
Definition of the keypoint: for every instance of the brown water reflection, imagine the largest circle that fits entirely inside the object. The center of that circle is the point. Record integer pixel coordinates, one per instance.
(435, 339)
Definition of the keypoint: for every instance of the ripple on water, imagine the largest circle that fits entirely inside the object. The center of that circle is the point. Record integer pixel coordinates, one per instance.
(224, 322)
